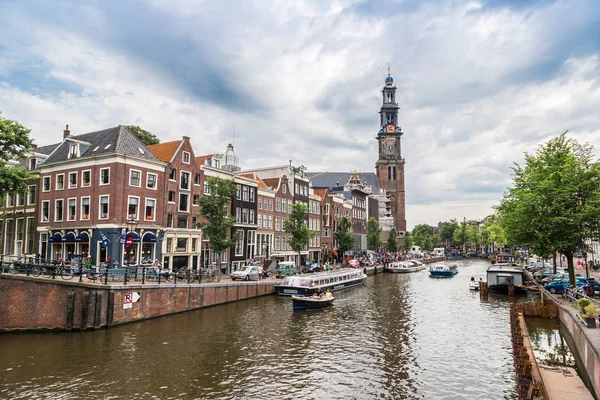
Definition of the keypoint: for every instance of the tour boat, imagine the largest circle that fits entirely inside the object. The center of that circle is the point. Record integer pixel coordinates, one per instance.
(406, 266)
(311, 303)
(306, 285)
(443, 271)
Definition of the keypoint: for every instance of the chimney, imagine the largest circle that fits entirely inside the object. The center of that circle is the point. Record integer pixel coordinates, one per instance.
(33, 146)
(66, 132)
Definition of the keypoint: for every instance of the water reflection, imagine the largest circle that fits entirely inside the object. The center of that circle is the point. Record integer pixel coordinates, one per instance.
(548, 343)
(397, 337)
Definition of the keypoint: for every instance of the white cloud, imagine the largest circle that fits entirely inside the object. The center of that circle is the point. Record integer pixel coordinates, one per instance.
(476, 86)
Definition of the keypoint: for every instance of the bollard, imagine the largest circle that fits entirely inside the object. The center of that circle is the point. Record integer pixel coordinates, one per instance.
(511, 290)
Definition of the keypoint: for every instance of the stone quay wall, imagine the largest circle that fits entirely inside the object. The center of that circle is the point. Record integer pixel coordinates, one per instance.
(30, 303)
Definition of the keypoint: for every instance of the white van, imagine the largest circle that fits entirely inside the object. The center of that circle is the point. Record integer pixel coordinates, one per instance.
(438, 252)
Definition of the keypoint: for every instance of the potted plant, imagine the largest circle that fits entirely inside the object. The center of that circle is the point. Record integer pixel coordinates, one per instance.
(588, 312)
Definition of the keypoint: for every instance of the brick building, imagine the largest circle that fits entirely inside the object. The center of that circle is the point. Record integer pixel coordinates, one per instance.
(315, 252)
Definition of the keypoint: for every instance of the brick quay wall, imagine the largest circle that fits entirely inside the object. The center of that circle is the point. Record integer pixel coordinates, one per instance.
(30, 303)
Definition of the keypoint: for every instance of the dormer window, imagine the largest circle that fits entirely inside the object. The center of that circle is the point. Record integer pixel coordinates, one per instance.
(74, 150)
(32, 163)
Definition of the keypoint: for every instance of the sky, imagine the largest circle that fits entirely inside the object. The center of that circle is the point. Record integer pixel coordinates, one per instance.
(479, 82)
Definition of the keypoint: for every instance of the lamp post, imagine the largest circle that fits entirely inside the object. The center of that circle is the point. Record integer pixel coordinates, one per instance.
(131, 225)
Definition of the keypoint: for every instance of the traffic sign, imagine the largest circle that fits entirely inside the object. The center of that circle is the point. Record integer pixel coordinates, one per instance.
(129, 299)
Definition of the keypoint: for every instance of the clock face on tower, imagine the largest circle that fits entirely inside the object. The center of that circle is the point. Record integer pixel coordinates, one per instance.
(390, 128)
(389, 145)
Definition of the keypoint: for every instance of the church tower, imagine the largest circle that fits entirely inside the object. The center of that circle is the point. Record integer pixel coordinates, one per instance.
(390, 165)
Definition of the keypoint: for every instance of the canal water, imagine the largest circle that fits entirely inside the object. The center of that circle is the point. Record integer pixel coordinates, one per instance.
(397, 337)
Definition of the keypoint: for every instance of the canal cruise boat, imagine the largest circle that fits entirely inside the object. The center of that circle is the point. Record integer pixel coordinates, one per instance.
(443, 271)
(306, 285)
(504, 272)
(406, 266)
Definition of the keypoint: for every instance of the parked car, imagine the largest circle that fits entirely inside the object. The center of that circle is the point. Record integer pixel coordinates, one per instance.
(249, 272)
(316, 267)
(560, 285)
(554, 277)
(285, 268)
(471, 254)
(486, 255)
(537, 266)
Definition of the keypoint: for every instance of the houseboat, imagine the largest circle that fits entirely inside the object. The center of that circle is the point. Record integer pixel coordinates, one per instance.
(500, 276)
(443, 271)
(306, 285)
(406, 266)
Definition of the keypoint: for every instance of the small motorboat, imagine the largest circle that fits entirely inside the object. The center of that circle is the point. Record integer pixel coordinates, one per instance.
(474, 285)
(443, 271)
(311, 302)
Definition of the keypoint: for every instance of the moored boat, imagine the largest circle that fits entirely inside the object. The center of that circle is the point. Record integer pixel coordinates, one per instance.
(311, 303)
(406, 266)
(306, 285)
(443, 270)
(474, 285)
(501, 276)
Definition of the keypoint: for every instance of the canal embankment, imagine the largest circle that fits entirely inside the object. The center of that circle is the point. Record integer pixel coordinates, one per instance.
(32, 303)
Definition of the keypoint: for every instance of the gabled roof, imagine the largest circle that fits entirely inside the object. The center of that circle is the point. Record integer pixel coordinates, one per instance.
(46, 149)
(200, 159)
(321, 192)
(165, 151)
(272, 182)
(261, 183)
(335, 179)
(117, 140)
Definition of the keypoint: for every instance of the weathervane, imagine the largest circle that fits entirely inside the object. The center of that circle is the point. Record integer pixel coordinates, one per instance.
(389, 73)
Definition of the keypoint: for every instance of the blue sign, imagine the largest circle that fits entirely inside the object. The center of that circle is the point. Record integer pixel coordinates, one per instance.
(123, 238)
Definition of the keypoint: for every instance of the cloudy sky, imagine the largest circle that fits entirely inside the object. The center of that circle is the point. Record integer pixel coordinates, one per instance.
(479, 82)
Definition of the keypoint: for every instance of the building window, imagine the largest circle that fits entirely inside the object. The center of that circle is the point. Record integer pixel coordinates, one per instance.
(251, 220)
(181, 245)
(239, 245)
(60, 182)
(133, 207)
(169, 220)
(283, 243)
(245, 193)
(196, 200)
(270, 222)
(86, 178)
(151, 180)
(74, 151)
(169, 245)
(259, 205)
(31, 195)
(186, 157)
(185, 181)
(171, 197)
(244, 215)
(46, 184)
(196, 179)
(45, 210)
(172, 174)
(283, 205)
(264, 221)
(58, 210)
(150, 207)
(10, 200)
(284, 188)
(182, 221)
(194, 222)
(72, 180)
(238, 215)
(206, 188)
(72, 210)
(104, 207)
(135, 178)
(277, 224)
(29, 246)
(184, 202)
(85, 208)
(277, 243)
(32, 164)
(104, 176)
(194, 244)
(277, 204)
(21, 199)
(238, 192)
(258, 220)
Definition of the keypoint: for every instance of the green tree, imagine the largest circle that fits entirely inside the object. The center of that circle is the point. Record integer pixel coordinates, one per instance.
(422, 235)
(344, 236)
(15, 143)
(447, 231)
(214, 209)
(296, 226)
(554, 202)
(392, 242)
(373, 234)
(408, 241)
(147, 138)
(460, 235)
(474, 236)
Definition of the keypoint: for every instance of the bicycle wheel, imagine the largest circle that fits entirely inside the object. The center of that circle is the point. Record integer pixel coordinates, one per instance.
(66, 274)
(12, 269)
(46, 272)
(35, 270)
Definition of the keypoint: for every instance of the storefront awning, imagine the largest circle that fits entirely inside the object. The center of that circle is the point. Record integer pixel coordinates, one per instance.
(56, 238)
(135, 238)
(149, 237)
(68, 238)
(82, 237)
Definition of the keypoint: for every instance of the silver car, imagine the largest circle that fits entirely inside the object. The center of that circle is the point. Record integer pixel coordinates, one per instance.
(249, 272)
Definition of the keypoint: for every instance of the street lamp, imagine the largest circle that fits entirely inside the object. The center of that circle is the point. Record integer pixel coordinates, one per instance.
(131, 225)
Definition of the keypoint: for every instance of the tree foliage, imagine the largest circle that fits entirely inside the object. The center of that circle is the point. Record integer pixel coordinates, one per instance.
(408, 240)
(214, 209)
(392, 242)
(344, 236)
(15, 143)
(447, 229)
(554, 203)
(296, 226)
(373, 234)
(423, 236)
(461, 236)
(147, 138)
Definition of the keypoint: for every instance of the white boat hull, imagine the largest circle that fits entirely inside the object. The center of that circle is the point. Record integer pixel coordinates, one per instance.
(400, 270)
